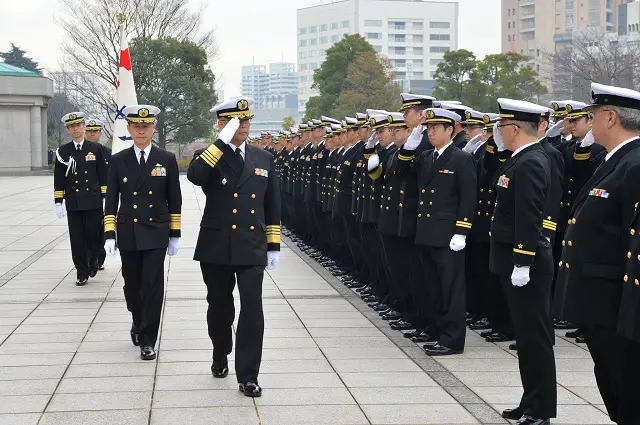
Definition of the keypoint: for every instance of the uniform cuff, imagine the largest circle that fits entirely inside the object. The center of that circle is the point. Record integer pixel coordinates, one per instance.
(406, 155)
(463, 227)
(212, 154)
(109, 224)
(522, 256)
(273, 247)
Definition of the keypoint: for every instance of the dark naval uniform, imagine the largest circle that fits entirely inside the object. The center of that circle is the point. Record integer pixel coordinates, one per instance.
(241, 222)
(593, 289)
(82, 190)
(103, 255)
(149, 214)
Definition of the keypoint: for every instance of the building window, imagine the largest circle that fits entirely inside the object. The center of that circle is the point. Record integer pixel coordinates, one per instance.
(302, 43)
(324, 40)
(400, 51)
(373, 35)
(372, 23)
(397, 25)
(313, 66)
(509, 12)
(399, 63)
(508, 25)
(417, 76)
(303, 78)
(302, 31)
(438, 49)
(419, 51)
(397, 38)
(345, 24)
(302, 55)
(321, 52)
(324, 27)
(418, 63)
(508, 38)
(418, 38)
(418, 25)
(313, 53)
(313, 41)
(377, 48)
(334, 25)
(335, 38)
(440, 24)
(440, 37)
(401, 75)
(434, 61)
(313, 29)
(302, 67)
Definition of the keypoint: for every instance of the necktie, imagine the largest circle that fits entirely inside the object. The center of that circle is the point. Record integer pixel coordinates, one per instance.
(142, 161)
(239, 155)
(435, 156)
(78, 149)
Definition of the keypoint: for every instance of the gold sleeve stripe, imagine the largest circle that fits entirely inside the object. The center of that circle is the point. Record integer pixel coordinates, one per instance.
(463, 224)
(375, 175)
(211, 155)
(273, 238)
(550, 225)
(174, 226)
(103, 189)
(521, 251)
(58, 194)
(581, 156)
(110, 223)
(405, 158)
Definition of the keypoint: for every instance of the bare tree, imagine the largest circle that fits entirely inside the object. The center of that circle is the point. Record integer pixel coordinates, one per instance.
(93, 45)
(594, 57)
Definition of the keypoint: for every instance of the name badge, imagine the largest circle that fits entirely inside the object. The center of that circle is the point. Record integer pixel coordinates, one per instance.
(90, 157)
(260, 172)
(599, 193)
(503, 181)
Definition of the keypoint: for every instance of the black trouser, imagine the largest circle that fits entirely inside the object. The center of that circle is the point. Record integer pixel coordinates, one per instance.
(375, 259)
(312, 229)
(143, 273)
(321, 227)
(84, 234)
(617, 372)
(483, 287)
(445, 271)
(103, 254)
(220, 281)
(355, 246)
(395, 249)
(529, 307)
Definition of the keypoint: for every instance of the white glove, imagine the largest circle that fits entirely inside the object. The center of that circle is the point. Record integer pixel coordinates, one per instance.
(227, 133)
(174, 245)
(59, 210)
(110, 247)
(458, 242)
(373, 163)
(556, 129)
(588, 140)
(273, 258)
(414, 140)
(497, 137)
(372, 140)
(520, 276)
(470, 147)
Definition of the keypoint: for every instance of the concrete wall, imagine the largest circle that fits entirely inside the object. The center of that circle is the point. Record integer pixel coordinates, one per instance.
(23, 123)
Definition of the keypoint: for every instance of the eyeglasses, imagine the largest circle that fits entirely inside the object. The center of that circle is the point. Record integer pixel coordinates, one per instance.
(499, 125)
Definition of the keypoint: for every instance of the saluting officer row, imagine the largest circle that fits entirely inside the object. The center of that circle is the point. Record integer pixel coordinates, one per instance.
(441, 210)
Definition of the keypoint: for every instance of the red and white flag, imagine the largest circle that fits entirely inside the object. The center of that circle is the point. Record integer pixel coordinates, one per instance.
(126, 96)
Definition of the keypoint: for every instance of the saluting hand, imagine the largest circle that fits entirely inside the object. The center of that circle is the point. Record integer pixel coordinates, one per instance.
(372, 140)
(373, 162)
(229, 130)
(414, 140)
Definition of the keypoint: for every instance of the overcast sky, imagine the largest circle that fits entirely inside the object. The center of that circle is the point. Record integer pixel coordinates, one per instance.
(254, 31)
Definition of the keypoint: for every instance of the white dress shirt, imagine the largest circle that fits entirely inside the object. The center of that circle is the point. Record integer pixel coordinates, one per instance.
(147, 150)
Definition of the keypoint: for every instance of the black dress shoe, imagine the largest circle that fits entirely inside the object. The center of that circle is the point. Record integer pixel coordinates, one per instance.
(134, 335)
(486, 333)
(401, 325)
(220, 368)
(563, 324)
(513, 414)
(513, 347)
(381, 307)
(147, 353)
(497, 337)
(480, 324)
(370, 299)
(441, 350)
(82, 282)
(530, 420)
(581, 339)
(422, 337)
(365, 292)
(250, 389)
(574, 334)
(93, 271)
(411, 334)
(392, 315)
(101, 267)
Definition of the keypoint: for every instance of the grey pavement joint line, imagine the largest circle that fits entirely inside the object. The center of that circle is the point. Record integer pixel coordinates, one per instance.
(24, 264)
(81, 341)
(479, 411)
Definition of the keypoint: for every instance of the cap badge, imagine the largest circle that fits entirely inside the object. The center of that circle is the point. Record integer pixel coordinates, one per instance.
(72, 116)
(569, 108)
(243, 105)
(144, 112)
(555, 106)
(390, 119)
(430, 114)
(92, 123)
(486, 119)
(467, 114)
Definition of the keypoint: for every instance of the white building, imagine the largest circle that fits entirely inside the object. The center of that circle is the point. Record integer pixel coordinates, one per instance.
(413, 34)
(270, 89)
(255, 84)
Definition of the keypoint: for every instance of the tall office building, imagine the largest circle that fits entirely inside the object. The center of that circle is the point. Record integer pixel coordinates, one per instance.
(535, 28)
(413, 34)
(270, 89)
(255, 84)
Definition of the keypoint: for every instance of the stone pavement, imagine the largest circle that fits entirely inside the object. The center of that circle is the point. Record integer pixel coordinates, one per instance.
(66, 357)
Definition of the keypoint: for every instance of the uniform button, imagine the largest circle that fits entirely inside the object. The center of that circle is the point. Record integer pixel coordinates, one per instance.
(388, 198)
(387, 208)
(568, 204)
(87, 181)
(233, 226)
(567, 265)
(151, 219)
(235, 211)
(135, 206)
(428, 215)
(626, 278)
(135, 193)
(235, 195)
(251, 228)
(488, 214)
(419, 215)
(87, 189)
(424, 190)
(569, 221)
(489, 190)
(564, 243)
(77, 190)
(479, 202)
(633, 232)
(481, 190)
(478, 212)
(571, 180)
(433, 191)
(573, 221)
(86, 172)
(76, 181)
(390, 187)
(638, 257)
(629, 255)
(400, 205)
(150, 192)
(570, 243)
(561, 203)
(421, 202)
(430, 203)
(560, 264)
(135, 220)
(253, 196)
(150, 206)
(75, 173)
(569, 192)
